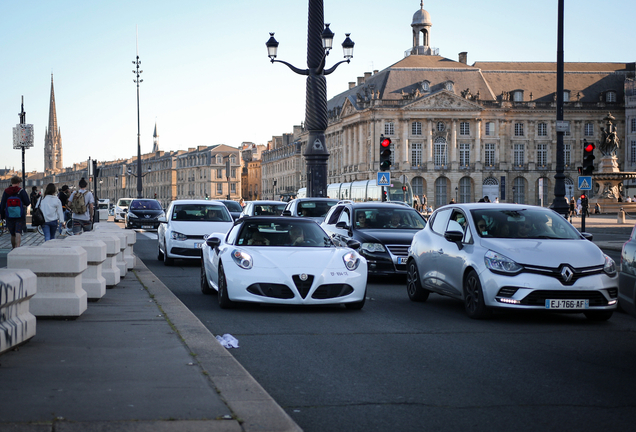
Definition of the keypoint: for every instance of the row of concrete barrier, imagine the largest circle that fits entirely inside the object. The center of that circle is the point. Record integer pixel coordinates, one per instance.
(59, 277)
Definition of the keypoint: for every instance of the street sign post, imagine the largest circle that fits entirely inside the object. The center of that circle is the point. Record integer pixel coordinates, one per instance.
(384, 179)
(585, 182)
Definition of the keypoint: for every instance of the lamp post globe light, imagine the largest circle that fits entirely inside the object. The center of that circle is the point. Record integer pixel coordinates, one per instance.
(319, 43)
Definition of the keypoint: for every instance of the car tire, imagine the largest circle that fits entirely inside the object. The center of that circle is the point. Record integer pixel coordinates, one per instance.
(205, 287)
(224, 298)
(474, 297)
(159, 253)
(414, 284)
(167, 261)
(598, 315)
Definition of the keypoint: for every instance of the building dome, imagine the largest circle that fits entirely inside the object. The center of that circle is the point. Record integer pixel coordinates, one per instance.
(421, 17)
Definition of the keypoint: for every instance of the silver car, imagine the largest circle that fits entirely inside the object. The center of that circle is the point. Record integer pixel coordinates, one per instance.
(627, 276)
(510, 256)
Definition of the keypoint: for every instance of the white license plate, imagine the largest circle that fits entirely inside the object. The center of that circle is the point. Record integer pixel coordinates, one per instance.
(198, 245)
(567, 304)
(146, 227)
(402, 260)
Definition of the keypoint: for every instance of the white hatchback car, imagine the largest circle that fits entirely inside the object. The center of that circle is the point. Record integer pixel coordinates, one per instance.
(187, 225)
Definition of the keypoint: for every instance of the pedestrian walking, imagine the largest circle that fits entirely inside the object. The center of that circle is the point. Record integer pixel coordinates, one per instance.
(63, 197)
(13, 207)
(82, 204)
(423, 203)
(572, 209)
(34, 197)
(51, 207)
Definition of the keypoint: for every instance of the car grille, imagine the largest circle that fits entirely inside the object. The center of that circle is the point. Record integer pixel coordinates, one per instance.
(303, 287)
(196, 237)
(507, 291)
(538, 297)
(399, 250)
(279, 291)
(563, 270)
(185, 252)
(331, 291)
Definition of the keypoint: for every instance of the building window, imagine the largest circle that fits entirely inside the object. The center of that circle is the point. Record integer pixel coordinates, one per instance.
(219, 159)
(441, 153)
(518, 96)
(519, 158)
(449, 86)
(389, 129)
(441, 127)
(542, 155)
(633, 123)
(219, 188)
(566, 96)
(632, 152)
(589, 129)
(219, 173)
(233, 188)
(610, 96)
(518, 129)
(490, 129)
(416, 128)
(418, 186)
(464, 128)
(416, 154)
(464, 154)
(441, 191)
(567, 154)
(425, 85)
(519, 190)
(542, 129)
(465, 190)
(489, 154)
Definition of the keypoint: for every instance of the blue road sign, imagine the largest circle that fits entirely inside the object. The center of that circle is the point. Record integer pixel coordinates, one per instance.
(384, 179)
(585, 182)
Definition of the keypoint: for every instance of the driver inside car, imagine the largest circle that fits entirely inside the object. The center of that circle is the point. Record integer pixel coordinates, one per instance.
(297, 236)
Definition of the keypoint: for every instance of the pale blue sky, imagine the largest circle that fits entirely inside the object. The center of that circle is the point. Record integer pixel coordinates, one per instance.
(207, 78)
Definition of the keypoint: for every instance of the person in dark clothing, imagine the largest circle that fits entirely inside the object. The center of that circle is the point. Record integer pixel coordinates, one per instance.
(16, 226)
(63, 197)
(34, 197)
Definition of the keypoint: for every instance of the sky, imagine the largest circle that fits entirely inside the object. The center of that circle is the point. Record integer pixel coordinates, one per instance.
(206, 75)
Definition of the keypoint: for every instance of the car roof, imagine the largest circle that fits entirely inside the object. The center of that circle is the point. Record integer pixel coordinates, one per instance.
(275, 219)
(268, 202)
(316, 199)
(376, 204)
(495, 206)
(197, 201)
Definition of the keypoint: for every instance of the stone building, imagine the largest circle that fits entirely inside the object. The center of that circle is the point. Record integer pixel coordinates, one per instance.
(251, 170)
(463, 131)
(283, 166)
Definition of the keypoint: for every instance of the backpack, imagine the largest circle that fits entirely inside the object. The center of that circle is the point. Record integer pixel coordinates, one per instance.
(78, 205)
(14, 210)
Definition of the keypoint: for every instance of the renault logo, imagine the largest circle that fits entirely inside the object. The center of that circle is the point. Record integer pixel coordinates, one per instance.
(567, 273)
(303, 277)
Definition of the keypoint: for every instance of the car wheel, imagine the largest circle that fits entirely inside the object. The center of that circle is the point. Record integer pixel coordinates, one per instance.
(598, 315)
(205, 287)
(414, 284)
(359, 304)
(167, 261)
(224, 299)
(159, 253)
(474, 297)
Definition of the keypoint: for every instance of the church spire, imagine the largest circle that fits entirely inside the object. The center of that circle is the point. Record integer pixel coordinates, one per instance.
(155, 140)
(52, 138)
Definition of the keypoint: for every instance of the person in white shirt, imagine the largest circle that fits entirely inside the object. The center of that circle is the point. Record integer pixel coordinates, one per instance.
(51, 207)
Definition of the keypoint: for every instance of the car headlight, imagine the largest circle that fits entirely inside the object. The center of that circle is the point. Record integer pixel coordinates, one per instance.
(174, 235)
(351, 260)
(132, 215)
(242, 259)
(610, 266)
(499, 263)
(373, 247)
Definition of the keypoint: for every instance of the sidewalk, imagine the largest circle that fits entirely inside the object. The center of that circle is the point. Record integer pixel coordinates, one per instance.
(136, 360)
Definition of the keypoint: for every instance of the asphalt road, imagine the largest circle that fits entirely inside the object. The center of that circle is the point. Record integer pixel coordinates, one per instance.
(402, 366)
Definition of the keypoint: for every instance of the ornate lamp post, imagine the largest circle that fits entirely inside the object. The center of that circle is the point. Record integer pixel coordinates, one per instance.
(137, 81)
(319, 43)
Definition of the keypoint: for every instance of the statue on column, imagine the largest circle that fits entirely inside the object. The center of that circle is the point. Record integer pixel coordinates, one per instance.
(609, 141)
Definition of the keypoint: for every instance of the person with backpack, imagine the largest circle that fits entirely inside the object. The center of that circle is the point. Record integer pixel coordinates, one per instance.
(81, 204)
(51, 207)
(13, 206)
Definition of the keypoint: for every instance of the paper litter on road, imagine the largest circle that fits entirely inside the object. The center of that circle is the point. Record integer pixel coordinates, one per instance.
(227, 340)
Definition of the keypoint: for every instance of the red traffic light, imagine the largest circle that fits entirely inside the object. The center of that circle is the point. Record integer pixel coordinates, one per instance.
(386, 142)
(404, 188)
(589, 147)
(583, 196)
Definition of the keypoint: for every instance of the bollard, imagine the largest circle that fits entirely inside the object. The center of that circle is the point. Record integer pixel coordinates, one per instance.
(621, 216)
(131, 239)
(59, 278)
(17, 324)
(92, 280)
(110, 271)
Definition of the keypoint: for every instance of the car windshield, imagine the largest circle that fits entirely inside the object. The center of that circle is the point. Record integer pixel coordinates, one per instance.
(317, 209)
(254, 233)
(269, 209)
(388, 218)
(233, 206)
(145, 205)
(200, 213)
(124, 202)
(535, 223)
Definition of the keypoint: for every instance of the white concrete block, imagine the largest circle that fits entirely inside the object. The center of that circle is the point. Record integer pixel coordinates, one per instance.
(123, 243)
(59, 278)
(92, 280)
(131, 239)
(17, 323)
(110, 271)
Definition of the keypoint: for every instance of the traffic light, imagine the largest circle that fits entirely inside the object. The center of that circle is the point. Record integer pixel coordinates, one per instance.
(588, 158)
(403, 188)
(155, 195)
(385, 153)
(385, 195)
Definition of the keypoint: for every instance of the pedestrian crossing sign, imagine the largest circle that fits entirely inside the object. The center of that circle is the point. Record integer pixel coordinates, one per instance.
(585, 182)
(384, 179)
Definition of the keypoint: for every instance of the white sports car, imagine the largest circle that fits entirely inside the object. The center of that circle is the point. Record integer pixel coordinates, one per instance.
(283, 260)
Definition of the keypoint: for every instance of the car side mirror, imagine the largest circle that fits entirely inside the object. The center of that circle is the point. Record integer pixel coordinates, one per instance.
(213, 242)
(286, 213)
(353, 244)
(588, 236)
(162, 220)
(454, 237)
(342, 225)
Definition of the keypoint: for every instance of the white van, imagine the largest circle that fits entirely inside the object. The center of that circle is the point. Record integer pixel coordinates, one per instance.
(122, 208)
(102, 209)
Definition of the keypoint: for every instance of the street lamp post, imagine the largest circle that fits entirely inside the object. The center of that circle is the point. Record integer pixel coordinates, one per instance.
(456, 196)
(137, 81)
(319, 43)
(116, 178)
(274, 190)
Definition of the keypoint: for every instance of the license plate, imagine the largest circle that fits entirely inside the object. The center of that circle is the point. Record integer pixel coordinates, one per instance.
(567, 304)
(146, 227)
(402, 260)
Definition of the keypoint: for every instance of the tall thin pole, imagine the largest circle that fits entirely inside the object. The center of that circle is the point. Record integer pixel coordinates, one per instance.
(137, 63)
(23, 121)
